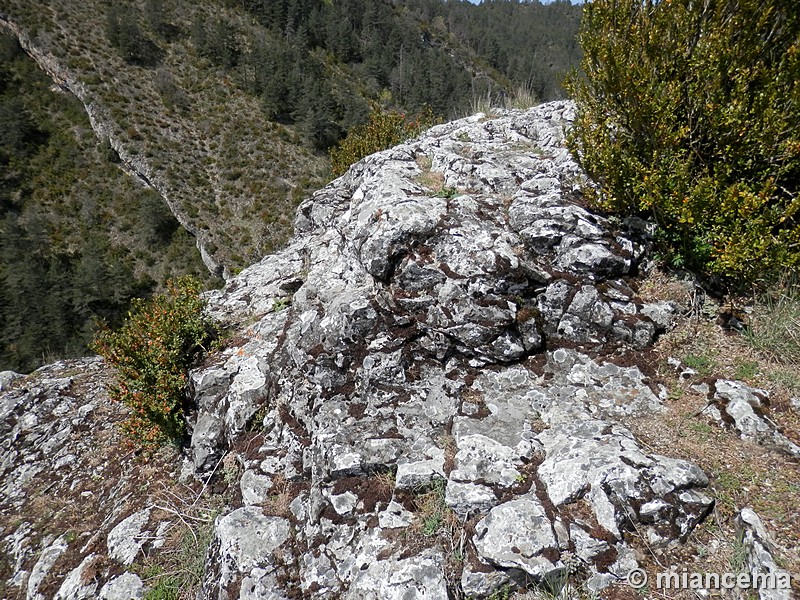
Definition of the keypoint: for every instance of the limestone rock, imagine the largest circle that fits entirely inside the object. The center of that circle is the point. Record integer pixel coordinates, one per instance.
(760, 559)
(127, 538)
(125, 587)
(396, 579)
(243, 551)
(518, 534)
(60, 462)
(417, 375)
(78, 584)
(735, 403)
(7, 378)
(405, 338)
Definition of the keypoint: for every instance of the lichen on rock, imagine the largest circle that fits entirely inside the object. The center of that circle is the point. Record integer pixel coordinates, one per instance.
(470, 333)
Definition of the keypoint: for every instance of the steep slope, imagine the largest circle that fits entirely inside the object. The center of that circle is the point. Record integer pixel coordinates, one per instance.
(431, 392)
(224, 108)
(79, 236)
(182, 129)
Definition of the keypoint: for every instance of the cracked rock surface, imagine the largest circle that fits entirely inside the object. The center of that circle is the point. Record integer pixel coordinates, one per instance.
(75, 510)
(431, 393)
(445, 338)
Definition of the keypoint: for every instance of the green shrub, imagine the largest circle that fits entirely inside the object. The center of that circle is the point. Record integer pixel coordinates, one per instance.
(689, 111)
(385, 128)
(161, 338)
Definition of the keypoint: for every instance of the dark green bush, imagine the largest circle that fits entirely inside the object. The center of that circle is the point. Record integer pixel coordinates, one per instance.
(385, 128)
(123, 32)
(689, 111)
(161, 338)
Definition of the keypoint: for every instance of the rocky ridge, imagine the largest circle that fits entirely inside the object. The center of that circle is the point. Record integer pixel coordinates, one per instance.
(104, 128)
(422, 395)
(436, 321)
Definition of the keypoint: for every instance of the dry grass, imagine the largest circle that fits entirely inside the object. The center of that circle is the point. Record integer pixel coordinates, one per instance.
(522, 98)
(741, 473)
(430, 180)
(433, 514)
(774, 330)
(176, 570)
(385, 483)
(280, 500)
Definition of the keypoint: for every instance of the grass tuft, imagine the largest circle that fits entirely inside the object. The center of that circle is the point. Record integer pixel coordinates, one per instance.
(775, 327)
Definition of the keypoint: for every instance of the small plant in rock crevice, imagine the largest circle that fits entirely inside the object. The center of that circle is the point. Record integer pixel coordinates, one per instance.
(175, 570)
(701, 363)
(161, 338)
(437, 520)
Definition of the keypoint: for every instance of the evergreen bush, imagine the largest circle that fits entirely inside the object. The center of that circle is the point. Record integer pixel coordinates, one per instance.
(689, 111)
(385, 128)
(161, 338)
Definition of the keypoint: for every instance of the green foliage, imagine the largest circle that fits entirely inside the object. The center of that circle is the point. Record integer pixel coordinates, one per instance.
(151, 352)
(175, 570)
(503, 593)
(320, 60)
(433, 512)
(702, 363)
(217, 41)
(746, 369)
(446, 193)
(689, 111)
(123, 32)
(385, 128)
(79, 237)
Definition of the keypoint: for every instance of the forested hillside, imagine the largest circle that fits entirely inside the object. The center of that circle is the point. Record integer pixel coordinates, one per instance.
(226, 109)
(78, 237)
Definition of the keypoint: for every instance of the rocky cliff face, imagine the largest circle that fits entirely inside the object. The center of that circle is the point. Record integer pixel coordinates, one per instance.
(422, 396)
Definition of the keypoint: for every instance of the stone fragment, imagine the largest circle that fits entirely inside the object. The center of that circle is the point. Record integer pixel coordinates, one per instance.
(125, 587)
(7, 378)
(128, 536)
(483, 582)
(412, 475)
(46, 560)
(247, 537)
(604, 464)
(518, 534)
(745, 407)
(482, 458)
(469, 499)
(661, 313)
(395, 516)
(255, 487)
(419, 577)
(760, 560)
(79, 584)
